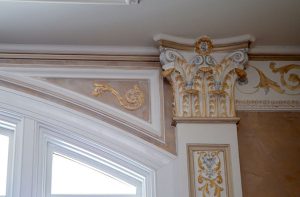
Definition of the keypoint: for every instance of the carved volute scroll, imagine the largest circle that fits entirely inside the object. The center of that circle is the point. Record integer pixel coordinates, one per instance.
(203, 86)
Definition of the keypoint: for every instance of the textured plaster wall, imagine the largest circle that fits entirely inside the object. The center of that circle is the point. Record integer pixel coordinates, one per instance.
(269, 147)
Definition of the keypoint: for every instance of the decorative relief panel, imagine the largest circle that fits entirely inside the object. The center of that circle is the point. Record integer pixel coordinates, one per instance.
(209, 171)
(271, 86)
(204, 82)
(130, 96)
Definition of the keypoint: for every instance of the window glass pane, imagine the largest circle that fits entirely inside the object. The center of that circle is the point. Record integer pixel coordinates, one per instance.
(73, 177)
(4, 145)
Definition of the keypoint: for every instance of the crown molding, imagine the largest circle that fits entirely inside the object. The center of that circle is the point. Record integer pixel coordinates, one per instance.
(84, 57)
(104, 2)
(137, 53)
(77, 49)
(279, 53)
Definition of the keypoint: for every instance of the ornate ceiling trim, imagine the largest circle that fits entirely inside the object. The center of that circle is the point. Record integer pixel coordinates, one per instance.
(85, 57)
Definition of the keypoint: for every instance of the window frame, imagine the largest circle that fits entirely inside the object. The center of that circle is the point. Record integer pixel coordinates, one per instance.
(8, 127)
(85, 151)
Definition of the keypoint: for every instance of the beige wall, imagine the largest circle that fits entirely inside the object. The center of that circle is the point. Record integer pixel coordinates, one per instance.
(269, 145)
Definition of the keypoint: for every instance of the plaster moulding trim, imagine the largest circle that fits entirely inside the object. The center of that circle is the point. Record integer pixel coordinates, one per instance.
(84, 57)
(275, 50)
(134, 53)
(78, 49)
(205, 120)
(105, 2)
(268, 105)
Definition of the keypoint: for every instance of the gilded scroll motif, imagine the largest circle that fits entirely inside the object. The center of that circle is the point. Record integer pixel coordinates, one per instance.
(209, 171)
(133, 99)
(202, 86)
(289, 82)
(292, 78)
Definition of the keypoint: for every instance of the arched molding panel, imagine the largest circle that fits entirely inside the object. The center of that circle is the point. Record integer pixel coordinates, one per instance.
(128, 95)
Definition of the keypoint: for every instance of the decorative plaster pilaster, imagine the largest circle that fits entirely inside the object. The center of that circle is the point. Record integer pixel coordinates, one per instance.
(203, 86)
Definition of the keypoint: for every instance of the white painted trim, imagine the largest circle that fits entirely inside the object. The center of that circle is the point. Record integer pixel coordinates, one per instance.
(55, 140)
(189, 41)
(14, 130)
(78, 49)
(89, 127)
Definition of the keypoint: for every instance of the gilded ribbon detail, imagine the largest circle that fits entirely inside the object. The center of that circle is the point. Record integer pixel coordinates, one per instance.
(134, 98)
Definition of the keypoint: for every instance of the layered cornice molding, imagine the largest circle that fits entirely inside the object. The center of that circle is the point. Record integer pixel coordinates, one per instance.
(203, 81)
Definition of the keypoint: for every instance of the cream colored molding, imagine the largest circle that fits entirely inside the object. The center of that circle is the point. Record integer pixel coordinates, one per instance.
(268, 105)
(79, 57)
(204, 84)
(275, 50)
(105, 2)
(140, 53)
(77, 49)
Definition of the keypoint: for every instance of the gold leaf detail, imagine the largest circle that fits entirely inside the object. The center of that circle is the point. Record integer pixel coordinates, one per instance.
(292, 77)
(134, 98)
(210, 178)
(267, 83)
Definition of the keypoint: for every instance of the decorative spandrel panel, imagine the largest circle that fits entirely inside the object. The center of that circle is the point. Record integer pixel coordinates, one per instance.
(204, 81)
(209, 171)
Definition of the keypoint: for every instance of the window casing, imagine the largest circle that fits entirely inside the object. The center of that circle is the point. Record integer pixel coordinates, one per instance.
(39, 142)
(7, 132)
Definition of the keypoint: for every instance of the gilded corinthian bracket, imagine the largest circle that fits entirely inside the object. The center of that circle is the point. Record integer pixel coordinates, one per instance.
(134, 98)
(202, 86)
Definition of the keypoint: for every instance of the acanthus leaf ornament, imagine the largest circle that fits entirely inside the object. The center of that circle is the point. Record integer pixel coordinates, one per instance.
(202, 86)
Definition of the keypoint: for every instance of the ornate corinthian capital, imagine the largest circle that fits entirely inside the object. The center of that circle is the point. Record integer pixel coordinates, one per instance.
(203, 80)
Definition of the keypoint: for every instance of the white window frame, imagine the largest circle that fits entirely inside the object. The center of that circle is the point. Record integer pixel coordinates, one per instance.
(52, 140)
(11, 126)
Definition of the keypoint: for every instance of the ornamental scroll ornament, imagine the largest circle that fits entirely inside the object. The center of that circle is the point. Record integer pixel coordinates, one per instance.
(209, 174)
(134, 98)
(288, 81)
(202, 86)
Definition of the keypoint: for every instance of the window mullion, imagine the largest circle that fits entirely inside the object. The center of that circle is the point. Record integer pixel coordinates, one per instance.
(27, 160)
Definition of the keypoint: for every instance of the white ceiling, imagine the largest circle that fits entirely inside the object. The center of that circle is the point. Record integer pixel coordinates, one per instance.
(272, 22)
